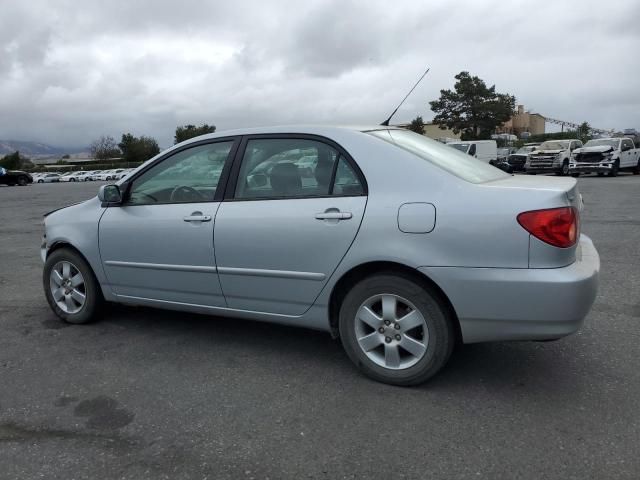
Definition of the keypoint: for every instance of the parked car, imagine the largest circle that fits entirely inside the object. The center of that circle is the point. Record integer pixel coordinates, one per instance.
(485, 150)
(552, 156)
(606, 155)
(15, 177)
(94, 175)
(49, 178)
(373, 248)
(75, 176)
(516, 161)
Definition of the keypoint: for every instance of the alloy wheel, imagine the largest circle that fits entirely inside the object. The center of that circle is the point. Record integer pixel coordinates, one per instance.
(391, 331)
(67, 287)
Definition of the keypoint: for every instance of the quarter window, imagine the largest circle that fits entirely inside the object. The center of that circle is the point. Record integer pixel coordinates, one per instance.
(294, 168)
(189, 176)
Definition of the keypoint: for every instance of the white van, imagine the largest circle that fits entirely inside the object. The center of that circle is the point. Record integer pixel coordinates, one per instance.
(485, 150)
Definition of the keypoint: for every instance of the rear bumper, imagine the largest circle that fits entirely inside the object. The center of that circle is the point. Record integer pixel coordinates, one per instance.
(494, 304)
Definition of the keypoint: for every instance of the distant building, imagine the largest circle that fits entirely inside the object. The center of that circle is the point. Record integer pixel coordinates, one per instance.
(432, 130)
(522, 121)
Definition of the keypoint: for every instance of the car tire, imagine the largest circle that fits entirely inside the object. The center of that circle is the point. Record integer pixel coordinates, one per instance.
(64, 290)
(575, 175)
(636, 171)
(564, 170)
(396, 355)
(601, 174)
(72, 179)
(22, 181)
(40, 181)
(615, 169)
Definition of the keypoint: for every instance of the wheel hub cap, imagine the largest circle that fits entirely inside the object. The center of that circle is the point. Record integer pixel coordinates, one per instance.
(391, 331)
(67, 287)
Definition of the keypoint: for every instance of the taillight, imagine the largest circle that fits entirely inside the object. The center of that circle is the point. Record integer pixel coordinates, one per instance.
(555, 226)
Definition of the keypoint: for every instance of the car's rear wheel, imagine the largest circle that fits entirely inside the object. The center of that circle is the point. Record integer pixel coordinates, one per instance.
(40, 181)
(71, 288)
(636, 171)
(395, 330)
(22, 181)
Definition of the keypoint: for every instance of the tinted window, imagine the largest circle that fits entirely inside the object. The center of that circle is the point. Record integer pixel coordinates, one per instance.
(289, 168)
(347, 181)
(459, 164)
(189, 176)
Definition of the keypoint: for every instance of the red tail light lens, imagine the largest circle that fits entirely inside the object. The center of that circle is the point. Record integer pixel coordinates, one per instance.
(555, 226)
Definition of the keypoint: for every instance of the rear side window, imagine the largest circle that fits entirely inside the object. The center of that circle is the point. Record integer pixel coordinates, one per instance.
(453, 161)
(275, 168)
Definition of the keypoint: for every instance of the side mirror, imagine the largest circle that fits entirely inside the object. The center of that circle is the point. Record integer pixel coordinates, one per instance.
(110, 195)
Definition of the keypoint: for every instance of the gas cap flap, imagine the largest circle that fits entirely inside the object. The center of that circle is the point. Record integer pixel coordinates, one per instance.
(416, 217)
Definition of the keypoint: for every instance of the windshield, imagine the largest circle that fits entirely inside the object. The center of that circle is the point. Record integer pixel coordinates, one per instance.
(555, 145)
(606, 142)
(463, 147)
(526, 149)
(459, 164)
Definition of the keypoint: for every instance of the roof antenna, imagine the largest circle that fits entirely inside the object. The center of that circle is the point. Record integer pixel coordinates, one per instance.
(386, 122)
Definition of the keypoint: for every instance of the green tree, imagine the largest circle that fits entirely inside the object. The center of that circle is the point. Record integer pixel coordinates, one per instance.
(417, 125)
(185, 132)
(11, 161)
(104, 148)
(584, 131)
(138, 149)
(472, 108)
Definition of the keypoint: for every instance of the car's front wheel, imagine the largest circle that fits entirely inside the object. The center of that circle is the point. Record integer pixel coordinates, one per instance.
(71, 288)
(395, 330)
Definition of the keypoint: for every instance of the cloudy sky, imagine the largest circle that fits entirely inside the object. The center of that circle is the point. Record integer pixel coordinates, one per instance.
(71, 71)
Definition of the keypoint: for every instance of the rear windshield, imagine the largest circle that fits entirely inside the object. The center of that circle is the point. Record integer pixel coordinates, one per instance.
(453, 161)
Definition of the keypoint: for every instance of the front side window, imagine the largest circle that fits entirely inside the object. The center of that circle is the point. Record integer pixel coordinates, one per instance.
(189, 176)
(294, 167)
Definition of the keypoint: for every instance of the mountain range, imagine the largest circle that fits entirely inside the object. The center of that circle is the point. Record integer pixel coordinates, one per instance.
(33, 149)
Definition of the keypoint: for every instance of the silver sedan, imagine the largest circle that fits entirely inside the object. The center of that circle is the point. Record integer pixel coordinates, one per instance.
(397, 244)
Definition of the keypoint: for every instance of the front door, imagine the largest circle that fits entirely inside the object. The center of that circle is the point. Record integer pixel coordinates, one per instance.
(158, 244)
(295, 211)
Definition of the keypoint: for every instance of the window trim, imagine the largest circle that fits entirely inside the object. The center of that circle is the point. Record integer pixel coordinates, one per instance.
(222, 181)
(232, 181)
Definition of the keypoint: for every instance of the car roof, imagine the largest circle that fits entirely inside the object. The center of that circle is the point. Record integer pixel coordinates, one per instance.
(311, 129)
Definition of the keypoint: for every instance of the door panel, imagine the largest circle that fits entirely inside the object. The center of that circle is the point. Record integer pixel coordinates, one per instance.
(275, 256)
(150, 251)
(159, 244)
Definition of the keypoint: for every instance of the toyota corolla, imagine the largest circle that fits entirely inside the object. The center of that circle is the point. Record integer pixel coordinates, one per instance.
(397, 244)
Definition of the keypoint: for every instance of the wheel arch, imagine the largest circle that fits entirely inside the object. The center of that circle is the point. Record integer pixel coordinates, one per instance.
(60, 244)
(354, 275)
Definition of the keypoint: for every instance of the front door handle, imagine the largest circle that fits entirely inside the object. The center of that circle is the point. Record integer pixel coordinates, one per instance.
(334, 215)
(197, 217)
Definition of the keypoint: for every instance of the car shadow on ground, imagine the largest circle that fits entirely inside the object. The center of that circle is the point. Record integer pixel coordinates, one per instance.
(526, 366)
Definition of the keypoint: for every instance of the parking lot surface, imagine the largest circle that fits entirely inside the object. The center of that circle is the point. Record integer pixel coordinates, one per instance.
(153, 394)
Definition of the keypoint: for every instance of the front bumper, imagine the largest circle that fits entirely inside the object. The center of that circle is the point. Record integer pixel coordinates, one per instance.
(582, 167)
(495, 304)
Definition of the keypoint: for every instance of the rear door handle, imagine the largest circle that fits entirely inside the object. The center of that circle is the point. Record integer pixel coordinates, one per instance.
(197, 217)
(333, 216)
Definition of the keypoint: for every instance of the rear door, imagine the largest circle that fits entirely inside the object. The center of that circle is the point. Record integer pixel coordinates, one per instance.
(288, 221)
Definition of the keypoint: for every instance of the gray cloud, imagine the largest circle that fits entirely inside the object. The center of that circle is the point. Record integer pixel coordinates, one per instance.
(71, 71)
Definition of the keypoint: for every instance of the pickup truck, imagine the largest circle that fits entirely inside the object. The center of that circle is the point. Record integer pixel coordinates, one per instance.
(606, 155)
(552, 156)
(15, 177)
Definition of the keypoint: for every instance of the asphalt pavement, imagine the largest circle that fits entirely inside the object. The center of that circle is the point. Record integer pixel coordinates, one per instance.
(153, 394)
